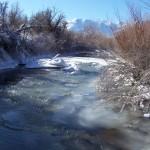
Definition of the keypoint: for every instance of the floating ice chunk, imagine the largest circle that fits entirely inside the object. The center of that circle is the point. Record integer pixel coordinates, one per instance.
(147, 115)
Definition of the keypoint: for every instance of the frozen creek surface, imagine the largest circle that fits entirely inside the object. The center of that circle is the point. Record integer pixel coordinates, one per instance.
(51, 109)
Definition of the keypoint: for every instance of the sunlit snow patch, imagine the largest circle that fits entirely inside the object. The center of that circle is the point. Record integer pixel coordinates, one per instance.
(147, 115)
(69, 64)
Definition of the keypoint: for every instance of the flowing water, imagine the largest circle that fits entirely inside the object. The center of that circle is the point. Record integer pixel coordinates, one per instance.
(49, 109)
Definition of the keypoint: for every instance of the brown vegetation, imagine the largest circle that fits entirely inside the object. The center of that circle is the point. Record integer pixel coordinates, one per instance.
(129, 80)
(134, 45)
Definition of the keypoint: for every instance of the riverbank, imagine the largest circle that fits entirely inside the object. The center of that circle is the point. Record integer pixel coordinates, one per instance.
(54, 61)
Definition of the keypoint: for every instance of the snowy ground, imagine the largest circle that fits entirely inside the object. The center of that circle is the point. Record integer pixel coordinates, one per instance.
(66, 63)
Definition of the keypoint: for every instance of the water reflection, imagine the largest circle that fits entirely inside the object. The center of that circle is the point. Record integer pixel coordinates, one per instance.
(10, 76)
(14, 76)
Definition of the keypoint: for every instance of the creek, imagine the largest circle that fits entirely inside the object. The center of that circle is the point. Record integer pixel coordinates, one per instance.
(51, 109)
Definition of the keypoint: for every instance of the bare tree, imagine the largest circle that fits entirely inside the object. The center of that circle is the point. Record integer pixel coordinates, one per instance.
(3, 14)
(146, 3)
(47, 21)
(15, 17)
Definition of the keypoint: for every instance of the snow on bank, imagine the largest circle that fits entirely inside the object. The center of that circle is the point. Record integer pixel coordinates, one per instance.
(147, 115)
(74, 60)
(69, 64)
(40, 63)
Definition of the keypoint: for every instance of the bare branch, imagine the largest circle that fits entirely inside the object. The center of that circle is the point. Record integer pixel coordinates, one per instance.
(3, 14)
(147, 4)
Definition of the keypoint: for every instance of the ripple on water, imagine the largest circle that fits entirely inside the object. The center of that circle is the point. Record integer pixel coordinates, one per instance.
(61, 111)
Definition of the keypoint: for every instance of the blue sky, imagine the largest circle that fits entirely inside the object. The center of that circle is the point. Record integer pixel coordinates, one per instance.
(86, 9)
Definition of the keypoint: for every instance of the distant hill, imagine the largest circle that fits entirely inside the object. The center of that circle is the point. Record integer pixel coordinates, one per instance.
(78, 25)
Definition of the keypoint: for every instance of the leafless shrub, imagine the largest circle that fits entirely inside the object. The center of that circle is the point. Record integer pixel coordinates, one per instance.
(79, 42)
(128, 79)
(88, 40)
(16, 17)
(117, 84)
(41, 34)
(48, 21)
(3, 14)
(94, 38)
(146, 3)
(133, 39)
(44, 44)
(11, 40)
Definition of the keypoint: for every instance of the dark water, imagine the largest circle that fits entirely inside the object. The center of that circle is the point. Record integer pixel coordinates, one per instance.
(49, 109)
